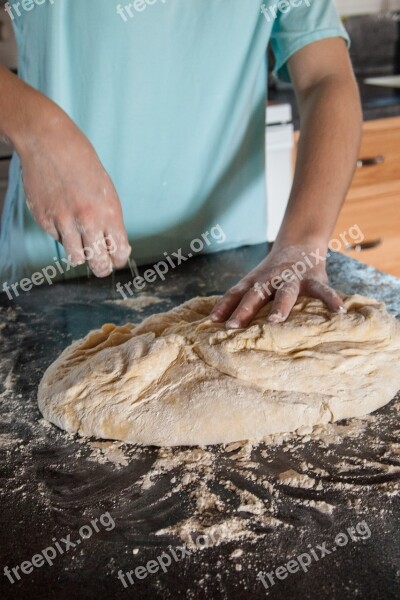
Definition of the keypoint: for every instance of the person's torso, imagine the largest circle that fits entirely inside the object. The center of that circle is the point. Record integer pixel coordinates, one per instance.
(171, 93)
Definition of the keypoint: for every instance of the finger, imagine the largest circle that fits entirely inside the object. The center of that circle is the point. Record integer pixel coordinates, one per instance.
(285, 299)
(318, 289)
(227, 304)
(247, 309)
(72, 242)
(117, 244)
(96, 253)
(118, 247)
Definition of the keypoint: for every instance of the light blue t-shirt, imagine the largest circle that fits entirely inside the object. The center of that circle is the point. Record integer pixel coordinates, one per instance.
(172, 95)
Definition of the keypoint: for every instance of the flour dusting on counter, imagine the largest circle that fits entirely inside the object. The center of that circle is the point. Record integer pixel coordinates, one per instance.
(236, 492)
(138, 303)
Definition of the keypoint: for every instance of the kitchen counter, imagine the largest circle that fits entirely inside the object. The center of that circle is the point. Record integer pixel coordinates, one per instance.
(52, 483)
(377, 102)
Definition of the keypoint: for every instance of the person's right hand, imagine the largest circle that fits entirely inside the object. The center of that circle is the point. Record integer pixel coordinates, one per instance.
(70, 194)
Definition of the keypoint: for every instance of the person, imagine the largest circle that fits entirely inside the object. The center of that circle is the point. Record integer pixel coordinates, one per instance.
(145, 123)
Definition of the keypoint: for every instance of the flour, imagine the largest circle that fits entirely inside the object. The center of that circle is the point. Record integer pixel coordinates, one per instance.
(108, 452)
(139, 303)
(295, 479)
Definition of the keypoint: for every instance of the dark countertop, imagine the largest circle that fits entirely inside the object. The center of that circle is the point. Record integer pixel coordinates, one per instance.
(377, 102)
(51, 485)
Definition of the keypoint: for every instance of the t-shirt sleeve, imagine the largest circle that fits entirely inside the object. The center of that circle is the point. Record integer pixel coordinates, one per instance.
(305, 21)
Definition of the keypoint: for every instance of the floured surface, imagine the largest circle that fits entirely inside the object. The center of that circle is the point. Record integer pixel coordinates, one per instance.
(179, 379)
(238, 492)
(53, 483)
(139, 303)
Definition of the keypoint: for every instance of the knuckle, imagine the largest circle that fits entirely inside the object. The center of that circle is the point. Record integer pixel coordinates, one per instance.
(232, 294)
(65, 225)
(118, 239)
(245, 309)
(45, 219)
(121, 253)
(240, 288)
(86, 216)
(314, 284)
(44, 222)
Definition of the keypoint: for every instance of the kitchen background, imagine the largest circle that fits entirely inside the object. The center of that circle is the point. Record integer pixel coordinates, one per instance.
(373, 202)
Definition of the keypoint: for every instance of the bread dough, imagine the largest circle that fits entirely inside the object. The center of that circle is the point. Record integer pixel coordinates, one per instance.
(180, 379)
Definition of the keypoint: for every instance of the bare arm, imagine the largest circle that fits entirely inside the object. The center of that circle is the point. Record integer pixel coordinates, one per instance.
(331, 122)
(68, 190)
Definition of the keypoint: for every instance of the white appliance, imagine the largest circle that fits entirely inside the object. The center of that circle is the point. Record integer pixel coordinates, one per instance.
(391, 81)
(279, 153)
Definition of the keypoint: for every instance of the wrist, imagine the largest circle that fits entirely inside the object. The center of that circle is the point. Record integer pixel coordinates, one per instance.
(38, 119)
(317, 242)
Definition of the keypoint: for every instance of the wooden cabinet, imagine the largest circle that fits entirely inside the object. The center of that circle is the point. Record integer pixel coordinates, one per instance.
(373, 201)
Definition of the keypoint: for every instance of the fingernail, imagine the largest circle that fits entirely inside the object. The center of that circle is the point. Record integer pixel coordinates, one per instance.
(233, 324)
(275, 317)
(105, 272)
(341, 310)
(215, 316)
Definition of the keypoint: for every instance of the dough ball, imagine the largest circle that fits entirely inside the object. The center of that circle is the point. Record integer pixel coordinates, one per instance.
(180, 379)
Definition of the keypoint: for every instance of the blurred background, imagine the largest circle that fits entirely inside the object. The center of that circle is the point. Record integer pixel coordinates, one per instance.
(373, 202)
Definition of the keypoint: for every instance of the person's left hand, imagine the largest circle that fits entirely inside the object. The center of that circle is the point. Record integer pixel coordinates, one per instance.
(285, 274)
